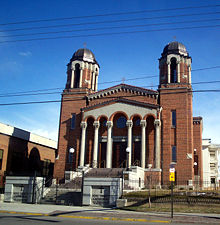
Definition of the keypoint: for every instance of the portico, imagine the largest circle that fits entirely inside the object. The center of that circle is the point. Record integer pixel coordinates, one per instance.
(124, 128)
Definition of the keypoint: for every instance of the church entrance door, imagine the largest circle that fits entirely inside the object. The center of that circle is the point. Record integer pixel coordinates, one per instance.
(119, 154)
(136, 154)
(102, 154)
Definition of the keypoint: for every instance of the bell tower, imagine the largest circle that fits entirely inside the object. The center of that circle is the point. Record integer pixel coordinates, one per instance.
(82, 79)
(175, 65)
(177, 120)
(82, 70)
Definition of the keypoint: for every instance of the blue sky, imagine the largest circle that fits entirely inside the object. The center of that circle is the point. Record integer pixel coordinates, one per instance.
(41, 64)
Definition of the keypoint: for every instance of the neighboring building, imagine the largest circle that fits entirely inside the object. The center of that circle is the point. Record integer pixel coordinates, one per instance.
(22, 153)
(158, 126)
(210, 155)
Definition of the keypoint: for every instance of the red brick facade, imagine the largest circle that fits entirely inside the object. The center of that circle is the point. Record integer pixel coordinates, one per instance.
(24, 153)
(143, 109)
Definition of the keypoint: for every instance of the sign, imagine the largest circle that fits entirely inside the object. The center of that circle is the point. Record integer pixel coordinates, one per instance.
(172, 176)
(172, 170)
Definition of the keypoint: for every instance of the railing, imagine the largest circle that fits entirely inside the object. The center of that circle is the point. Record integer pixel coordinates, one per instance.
(136, 163)
(102, 164)
(123, 164)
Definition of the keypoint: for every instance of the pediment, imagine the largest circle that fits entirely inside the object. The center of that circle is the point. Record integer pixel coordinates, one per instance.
(123, 88)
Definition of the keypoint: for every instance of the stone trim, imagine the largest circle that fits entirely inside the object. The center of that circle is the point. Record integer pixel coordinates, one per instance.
(121, 88)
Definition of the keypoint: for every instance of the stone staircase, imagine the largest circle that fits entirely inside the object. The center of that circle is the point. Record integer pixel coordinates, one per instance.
(105, 172)
(70, 192)
(64, 194)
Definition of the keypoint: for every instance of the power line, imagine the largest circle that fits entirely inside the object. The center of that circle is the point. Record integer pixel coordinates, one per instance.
(107, 14)
(12, 94)
(55, 101)
(23, 92)
(18, 95)
(194, 83)
(111, 33)
(112, 21)
(115, 27)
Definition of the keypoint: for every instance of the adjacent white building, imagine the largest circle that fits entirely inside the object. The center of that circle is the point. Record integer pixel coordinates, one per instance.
(210, 156)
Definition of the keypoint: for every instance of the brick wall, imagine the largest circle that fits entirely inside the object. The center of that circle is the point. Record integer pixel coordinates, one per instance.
(72, 101)
(17, 152)
(197, 144)
(177, 97)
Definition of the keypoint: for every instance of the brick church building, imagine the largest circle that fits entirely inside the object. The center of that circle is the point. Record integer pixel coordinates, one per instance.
(157, 126)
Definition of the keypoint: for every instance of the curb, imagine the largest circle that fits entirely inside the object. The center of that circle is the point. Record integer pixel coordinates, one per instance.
(90, 217)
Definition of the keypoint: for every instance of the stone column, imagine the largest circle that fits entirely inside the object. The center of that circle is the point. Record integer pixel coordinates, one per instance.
(93, 81)
(178, 72)
(83, 143)
(157, 143)
(80, 78)
(129, 124)
(95, 146)
(109, 145)
(96, 82)
(168, 72)
(189, 71)
(72, 79)
(143, 124)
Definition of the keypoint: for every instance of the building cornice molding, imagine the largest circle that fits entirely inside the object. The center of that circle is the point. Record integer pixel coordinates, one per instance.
(123, 88)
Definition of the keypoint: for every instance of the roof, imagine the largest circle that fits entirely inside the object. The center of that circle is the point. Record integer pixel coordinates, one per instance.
(84, 54)
(26, 135)
(175, 48)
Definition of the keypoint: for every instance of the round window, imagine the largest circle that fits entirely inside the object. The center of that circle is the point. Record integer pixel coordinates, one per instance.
(104, 123)
(121, 122)
(137, 122)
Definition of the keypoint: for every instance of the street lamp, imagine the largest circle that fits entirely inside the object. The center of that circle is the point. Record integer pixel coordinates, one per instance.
(128, 150)
(71, 151)
(149, 180)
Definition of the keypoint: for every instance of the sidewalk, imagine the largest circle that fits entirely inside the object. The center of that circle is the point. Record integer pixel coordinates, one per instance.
(107, 214)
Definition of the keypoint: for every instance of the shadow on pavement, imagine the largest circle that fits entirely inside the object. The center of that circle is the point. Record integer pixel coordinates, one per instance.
(57, 213)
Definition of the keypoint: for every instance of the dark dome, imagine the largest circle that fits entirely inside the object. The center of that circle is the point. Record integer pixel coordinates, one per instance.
(84, 54)
(175, 48)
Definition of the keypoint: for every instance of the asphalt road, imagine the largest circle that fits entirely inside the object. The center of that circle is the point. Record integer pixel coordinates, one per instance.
(19, 219)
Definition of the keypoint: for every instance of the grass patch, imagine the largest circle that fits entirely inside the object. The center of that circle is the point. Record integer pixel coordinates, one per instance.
(166, 207)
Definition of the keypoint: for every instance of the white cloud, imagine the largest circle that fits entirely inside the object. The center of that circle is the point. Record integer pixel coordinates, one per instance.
(25, 54)
(11, 66)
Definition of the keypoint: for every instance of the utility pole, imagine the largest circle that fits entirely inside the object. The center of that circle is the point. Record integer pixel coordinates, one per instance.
(33, 188)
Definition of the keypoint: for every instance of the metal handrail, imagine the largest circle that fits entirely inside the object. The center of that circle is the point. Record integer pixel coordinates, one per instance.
(102, 163)
(122, 164)
(136, 163)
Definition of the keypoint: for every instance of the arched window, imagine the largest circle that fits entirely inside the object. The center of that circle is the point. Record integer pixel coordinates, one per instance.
(77, 76)
(173, 70)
